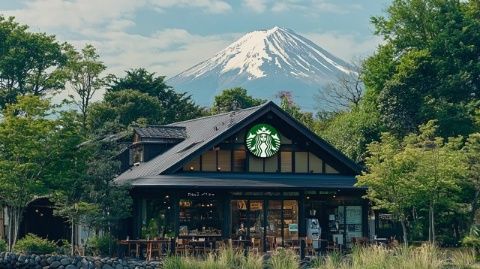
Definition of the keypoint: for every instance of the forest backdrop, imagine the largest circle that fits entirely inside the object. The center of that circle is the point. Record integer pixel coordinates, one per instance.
(410, 116)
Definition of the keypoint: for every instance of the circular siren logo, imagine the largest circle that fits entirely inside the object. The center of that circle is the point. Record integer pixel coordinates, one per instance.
(263, 140)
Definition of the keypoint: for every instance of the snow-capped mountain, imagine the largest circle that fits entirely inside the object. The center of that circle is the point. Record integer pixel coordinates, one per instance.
(264, 62)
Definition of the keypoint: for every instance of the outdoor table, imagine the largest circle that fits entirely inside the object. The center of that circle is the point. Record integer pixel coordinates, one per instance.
(161, 244)
(140, 244)
(244, 243)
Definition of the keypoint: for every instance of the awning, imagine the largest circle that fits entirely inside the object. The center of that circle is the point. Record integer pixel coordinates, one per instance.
(247, 181)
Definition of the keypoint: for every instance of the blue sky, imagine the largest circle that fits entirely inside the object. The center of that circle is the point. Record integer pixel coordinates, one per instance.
(168, 36)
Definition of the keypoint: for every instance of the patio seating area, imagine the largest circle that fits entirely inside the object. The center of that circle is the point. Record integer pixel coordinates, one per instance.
(201, 246)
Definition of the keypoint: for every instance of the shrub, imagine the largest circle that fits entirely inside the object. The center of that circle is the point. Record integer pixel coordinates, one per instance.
(102, 245)
(34, 244)
(3, 245)
(471, 241)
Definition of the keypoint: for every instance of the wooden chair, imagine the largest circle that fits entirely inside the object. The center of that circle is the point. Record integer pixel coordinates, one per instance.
(309, 249)
(256, 245)
(182, 247)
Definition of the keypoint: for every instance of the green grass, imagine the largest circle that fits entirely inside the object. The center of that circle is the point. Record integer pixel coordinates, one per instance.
(373, 257)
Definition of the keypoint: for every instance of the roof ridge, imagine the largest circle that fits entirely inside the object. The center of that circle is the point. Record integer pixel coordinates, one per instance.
(161, 126)
(220, 114)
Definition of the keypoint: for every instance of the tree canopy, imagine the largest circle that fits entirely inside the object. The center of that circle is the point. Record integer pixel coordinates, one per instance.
(30, 63)
(233, 99)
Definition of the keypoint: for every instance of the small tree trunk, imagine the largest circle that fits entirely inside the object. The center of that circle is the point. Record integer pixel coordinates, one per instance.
(433, 225)
(14, 219)
(72, 239)
(404, 230)
(9, 229)
(474, 205)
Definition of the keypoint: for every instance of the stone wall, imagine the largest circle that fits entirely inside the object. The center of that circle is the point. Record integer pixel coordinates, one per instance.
(13, 260)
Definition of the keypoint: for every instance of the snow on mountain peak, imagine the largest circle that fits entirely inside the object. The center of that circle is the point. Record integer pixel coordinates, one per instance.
(258, 55)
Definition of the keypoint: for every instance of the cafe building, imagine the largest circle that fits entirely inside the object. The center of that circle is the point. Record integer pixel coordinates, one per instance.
(255, 175)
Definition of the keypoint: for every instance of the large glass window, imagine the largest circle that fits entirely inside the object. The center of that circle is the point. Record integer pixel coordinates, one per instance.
(274, 224)
(158, 216)
(290, 220)
(200, 214)
(255, 222)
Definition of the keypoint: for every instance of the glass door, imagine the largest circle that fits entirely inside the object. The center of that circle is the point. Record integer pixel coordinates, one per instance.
(255, 223)
(274, 225)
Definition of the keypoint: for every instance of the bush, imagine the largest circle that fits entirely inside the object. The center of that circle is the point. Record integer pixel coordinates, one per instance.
(471, 241)
(32, 244)
(3, 245)
(102, 245)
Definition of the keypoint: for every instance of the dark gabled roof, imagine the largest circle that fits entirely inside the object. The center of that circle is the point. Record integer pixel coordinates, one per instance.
(245, 181)
(161, 132)
(206, 132)
(200, 132)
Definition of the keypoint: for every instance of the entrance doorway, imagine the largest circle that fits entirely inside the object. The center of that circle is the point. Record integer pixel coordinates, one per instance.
(267, 224)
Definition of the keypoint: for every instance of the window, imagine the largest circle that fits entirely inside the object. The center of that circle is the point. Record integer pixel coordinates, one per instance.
(314, 163)
(271, 164)
(286, 162)
(224, 161)
(255, 164)
(330, 170)
(160, 212)
(209, 161)
(239, 159)
(301, 162)
(200, 214)
(137, 155)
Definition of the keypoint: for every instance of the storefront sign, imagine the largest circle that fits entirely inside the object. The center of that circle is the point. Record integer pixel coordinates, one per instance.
(263, 140)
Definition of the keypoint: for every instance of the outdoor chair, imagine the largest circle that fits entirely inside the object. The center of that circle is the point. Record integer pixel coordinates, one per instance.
(309, 249)
(256, 245)
(182, 247)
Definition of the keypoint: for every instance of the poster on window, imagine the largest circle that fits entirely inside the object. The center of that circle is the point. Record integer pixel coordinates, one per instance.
(354, 214)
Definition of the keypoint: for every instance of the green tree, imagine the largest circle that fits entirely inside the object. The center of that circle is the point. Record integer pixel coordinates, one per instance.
(388, 176)
(351, 131)
(30, 63)
(424, 70)
(176, 106)
(440, 169)
(233, 99)
(471, 150)
(123, 108)
(32, 155)
(84, 74)
(287, 104)
(421, 170)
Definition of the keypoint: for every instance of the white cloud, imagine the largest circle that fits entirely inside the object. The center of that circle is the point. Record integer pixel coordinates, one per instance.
(310, 7)
(348, 47)
(76, 14)
(258, 6)
(213, 6)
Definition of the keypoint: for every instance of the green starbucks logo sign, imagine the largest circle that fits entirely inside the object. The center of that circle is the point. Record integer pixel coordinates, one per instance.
(263, 140)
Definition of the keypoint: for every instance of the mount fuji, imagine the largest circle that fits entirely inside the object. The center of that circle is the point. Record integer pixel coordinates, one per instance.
(265, 62)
